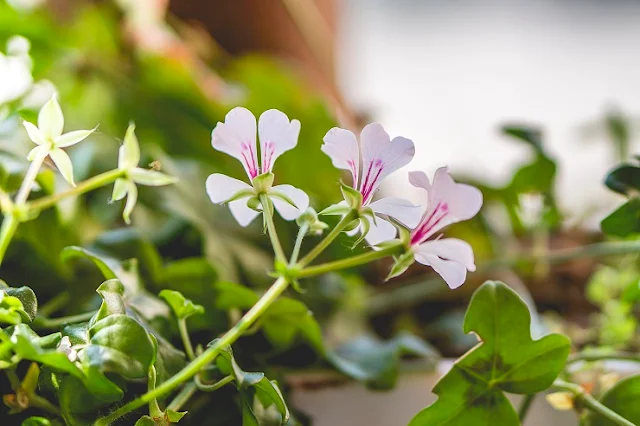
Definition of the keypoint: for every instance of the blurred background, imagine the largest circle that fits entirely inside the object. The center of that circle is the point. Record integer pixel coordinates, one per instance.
(533, 101)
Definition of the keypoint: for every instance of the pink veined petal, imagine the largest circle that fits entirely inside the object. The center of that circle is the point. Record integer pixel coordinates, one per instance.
(453, 273)
(286, 210)
(277, 135)
(221, 187)
(380, 231)
(402, 210)
(241, 212)
(448, 202)
(342, 147)
(237, 137)
(381, 157)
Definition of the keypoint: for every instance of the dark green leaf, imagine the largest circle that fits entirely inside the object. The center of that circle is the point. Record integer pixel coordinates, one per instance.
(112, 292)
(624, 221)
(182, 307)
(624, 179)
(28, 299)
(623, 399)
(528, 134)
(507, 360)
(375, 362)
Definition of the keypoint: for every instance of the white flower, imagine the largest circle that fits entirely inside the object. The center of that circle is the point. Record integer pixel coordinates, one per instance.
(66, 348)
(50, 139)
(237, 137)
(128, 159)
(15, 70)
(380, 157)
(448, 202)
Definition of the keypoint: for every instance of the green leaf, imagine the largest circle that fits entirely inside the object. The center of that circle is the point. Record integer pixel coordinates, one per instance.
(623, 399)
(624, 221)
(111, 292)
(288, 318)
(27, 298)
(119, 344)
(507, 360)
(107, 265)
(38, 421)
(250, 384)
(231, 295)
(175, 416)
(375, 362)
(12, 310)
(181, 306)
(529, 134)
(146, 421)
(624, 179)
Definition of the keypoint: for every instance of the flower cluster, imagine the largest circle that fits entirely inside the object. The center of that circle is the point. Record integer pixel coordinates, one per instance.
(369, 161)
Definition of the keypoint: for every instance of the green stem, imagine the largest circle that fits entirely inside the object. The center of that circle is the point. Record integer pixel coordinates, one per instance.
(214, 387)
(154, 408)
(267, 212)
(44, 404)
(11, 221)
(315, 252)
(525, 405)
(182, 397)
(591, 403)
(54, 304)
(53, 323)
(88, 185)
(191, 369)
(186, 340)
(595, 356)
(349, 262)
(296, 248)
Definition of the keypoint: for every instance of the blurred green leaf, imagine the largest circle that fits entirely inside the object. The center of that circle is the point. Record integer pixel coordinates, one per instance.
(625, 221)
(507, 360)
(367, 359)
(529, 134)
(624, 179)
(288, 318)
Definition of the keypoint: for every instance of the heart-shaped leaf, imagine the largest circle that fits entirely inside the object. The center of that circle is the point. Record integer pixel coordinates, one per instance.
(507, 360)
(181, 306)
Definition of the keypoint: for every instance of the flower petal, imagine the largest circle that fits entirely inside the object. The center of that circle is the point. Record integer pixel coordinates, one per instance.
(129, 152)
(277, 135)
(63, 163)
(237, 138)
(150, 177)
(449, 257)
(72, 138)
(401, 210)
(38, 150)
(464, 201)
(285, 209)
(241, 212)
(34, 133)
(342, 147)
(221, 188)
(380, 231)
(50, 119)
(381, 157)
(120, 188)
(132, 199)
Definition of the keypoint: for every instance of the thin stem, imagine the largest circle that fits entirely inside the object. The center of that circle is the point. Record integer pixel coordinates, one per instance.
(182, 397)
(186, 340)
(595, 356)
(11, 221)
(296, 248)
(53, 323)
(591, 403)
(349, 262)
(267, 212)
(44, 404)
(88, 185)
(315, 252)
(525, 405)
(54, 304)
(213, 387)
(191, 369)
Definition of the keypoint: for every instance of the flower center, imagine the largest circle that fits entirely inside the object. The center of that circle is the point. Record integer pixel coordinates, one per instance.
(429, 223)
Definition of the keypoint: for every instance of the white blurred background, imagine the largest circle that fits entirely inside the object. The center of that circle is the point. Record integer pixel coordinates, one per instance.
(448, 73)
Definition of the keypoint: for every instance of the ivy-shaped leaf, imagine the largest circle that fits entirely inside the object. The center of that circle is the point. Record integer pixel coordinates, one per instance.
(375, 362)
(181, 306)
(623, 399)
(252, 385)
(507, 360)
(17, 304)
